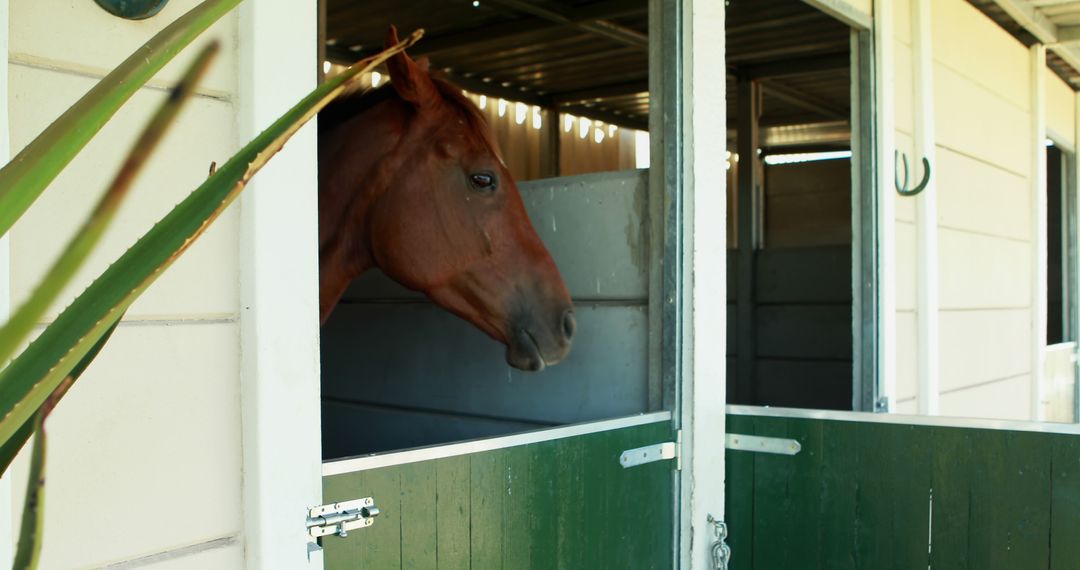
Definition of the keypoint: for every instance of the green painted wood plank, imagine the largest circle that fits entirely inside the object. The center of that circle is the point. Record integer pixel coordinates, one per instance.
(418, 516)
(486, 515)
(518, 510)
(838, 517)
(1010, 500)
(774, 523)
(1065, 504)
(569, 517)
(645, 542)
(908, 468)
(340, 553)
(873, 530)
(951, 477)
(804, 491)
(1026, 495)
(542, 497)
(381, 542)
(562, 504)
(452, 509)
(597, 506)
(739, 497)
(375, 547)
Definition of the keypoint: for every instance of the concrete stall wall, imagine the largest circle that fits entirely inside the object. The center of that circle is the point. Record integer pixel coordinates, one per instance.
(154, 425)
(983, 167)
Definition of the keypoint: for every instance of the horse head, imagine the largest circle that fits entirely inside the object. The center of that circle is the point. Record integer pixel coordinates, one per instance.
(414, 184)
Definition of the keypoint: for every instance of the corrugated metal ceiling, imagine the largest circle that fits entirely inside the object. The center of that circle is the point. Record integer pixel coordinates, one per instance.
(590, 57)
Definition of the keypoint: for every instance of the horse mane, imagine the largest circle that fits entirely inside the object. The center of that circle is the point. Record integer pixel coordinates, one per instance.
(351, 104)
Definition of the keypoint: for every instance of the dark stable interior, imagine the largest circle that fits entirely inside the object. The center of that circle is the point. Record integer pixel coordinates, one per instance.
(399, 372)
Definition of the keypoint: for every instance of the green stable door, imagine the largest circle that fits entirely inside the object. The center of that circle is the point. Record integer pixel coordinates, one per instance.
(557, 498)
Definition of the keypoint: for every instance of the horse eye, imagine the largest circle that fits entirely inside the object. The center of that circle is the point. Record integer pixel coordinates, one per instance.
(483, 181)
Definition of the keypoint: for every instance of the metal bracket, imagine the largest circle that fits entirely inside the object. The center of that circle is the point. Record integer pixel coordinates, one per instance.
(340, 518)
(657, 452)
(760, 444)
(648, 454)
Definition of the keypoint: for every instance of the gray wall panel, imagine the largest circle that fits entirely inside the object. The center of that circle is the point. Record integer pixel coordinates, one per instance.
(414, 355)
(350, 429)
(593, 226)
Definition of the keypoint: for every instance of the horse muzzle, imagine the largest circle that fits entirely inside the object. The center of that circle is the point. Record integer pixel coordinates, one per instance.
(533, 345)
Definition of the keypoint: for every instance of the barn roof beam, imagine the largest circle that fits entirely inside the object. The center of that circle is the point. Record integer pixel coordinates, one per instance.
(1060, 40)
(494, 89)
(481, 36)
(802, 100)
(795, 66)
(599, 27)
(601, 92)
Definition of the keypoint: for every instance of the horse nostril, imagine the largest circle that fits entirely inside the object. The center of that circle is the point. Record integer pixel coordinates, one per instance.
(569, 324)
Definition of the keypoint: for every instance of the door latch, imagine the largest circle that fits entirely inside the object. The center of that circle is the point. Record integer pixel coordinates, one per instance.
(340, 518)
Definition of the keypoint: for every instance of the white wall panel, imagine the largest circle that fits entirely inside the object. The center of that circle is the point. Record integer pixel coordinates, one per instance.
(78, 35)
(203, 282)
(979, 271)
(969, 43)
(979, 197)
(1007, 400)
(979, 346)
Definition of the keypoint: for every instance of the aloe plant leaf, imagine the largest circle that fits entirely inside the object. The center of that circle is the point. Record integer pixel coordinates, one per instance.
(82, 244)
(31, 535)
(28, 551)
(35, 373)
(24, 178)
(11, 448)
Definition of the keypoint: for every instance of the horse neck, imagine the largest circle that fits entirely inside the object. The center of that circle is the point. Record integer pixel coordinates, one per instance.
(357, 160)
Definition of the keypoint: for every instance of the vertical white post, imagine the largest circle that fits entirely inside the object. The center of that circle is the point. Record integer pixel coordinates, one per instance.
(1074, 189)
(705, 195)
(886, 135)
(926, 204)
(1075, 294)
(279, 296)
(7, 537)
(1038, 226)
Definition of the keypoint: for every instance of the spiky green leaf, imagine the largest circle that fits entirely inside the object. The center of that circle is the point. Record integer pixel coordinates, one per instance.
(24, 178)
(34, 374)
(83, 242)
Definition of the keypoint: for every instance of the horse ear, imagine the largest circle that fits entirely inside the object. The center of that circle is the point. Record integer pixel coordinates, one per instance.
(410, 78)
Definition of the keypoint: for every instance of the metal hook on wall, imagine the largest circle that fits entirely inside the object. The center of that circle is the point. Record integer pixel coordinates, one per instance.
(902, 188)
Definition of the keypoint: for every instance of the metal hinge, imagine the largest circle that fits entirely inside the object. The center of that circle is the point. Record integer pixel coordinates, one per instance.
(651, 453)
(340, 518)
(735, 441)
(762, 444)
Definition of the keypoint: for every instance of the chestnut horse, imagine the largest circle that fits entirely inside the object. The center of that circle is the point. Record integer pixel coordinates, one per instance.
(411, 182)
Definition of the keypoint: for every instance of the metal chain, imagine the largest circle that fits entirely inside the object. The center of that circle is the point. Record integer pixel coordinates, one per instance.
(721, 552)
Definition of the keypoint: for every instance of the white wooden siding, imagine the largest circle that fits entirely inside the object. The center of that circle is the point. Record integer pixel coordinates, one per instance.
(1060, 111)
(203, 282)
(154, 425)
(1008, 399)
(984, 346)
(983, 169)
(982, 272)
(974, 47)
(983, 163)
(977, 197)
(907, 382)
